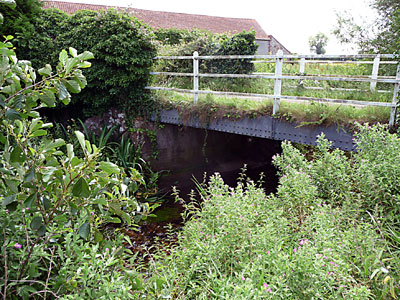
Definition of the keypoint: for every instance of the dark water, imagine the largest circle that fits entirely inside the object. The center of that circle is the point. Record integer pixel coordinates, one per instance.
(255, 153)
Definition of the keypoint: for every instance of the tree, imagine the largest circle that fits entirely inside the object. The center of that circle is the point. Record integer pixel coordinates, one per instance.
(318, 43)
(49, 194)
(383, 35)
(18, 16)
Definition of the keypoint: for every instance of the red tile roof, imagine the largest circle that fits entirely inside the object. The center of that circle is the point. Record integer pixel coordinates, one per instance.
(162, 19)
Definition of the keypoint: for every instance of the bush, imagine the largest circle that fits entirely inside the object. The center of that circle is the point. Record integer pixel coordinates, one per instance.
(172, 36)
(330, 232)
(206, 43)
(52, 201)
(123, 57)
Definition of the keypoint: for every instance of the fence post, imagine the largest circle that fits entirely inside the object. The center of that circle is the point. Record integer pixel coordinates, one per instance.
(278, 82)
(395, 96)
(375, 70)
(195, 77)
(302, 66)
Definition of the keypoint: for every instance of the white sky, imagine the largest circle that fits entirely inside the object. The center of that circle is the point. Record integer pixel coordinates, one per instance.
(291, 22)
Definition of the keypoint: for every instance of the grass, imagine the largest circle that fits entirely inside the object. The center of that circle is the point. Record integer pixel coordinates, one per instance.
(298, 112)
(210, 107)
(329, 232)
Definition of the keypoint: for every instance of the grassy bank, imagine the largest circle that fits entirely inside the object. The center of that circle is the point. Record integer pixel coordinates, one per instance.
(330, 232)
(210, 107)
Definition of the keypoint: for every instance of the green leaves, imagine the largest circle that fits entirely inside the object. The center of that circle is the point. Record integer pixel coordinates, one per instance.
(10, 3)
(81, 188)
(81, 139)
(72, 86)
(48, 98)
(84, 231)
(109, 167)
(63, 57)
(45, 71)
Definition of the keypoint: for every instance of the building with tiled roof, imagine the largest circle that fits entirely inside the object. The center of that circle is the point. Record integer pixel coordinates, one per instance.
(161, 19)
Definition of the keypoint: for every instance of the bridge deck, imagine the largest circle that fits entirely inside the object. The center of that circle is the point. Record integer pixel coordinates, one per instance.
(267, 127)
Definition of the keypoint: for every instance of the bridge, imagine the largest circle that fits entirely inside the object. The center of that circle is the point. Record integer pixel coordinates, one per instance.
(271, 127)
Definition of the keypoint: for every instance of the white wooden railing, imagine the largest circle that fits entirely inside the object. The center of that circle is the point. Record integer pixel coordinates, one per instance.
(302, 60)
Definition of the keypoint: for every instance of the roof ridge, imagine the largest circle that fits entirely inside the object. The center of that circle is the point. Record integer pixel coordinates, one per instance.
(164, 19)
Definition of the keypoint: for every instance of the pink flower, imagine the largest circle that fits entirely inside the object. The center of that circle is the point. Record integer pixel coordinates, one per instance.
(265, 285)
(294, 250)
(18, 246)
(331, 262)
(268, 252)
(243, 278)
(302, 242)
(324, 257)
(107, 249)
(269, 290)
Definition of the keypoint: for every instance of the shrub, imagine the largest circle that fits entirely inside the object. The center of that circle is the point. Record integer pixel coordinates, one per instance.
(51, 199)
(172, 36)
(206, 43)
(123, 56)
(330, 232)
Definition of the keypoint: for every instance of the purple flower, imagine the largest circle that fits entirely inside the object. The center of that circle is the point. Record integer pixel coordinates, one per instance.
(302, 242)
(18, 246)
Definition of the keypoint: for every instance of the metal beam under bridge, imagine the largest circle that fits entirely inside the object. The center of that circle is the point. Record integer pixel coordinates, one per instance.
(266, 127)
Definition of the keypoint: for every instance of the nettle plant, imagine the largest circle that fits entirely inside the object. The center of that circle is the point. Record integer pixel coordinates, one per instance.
(46, 191)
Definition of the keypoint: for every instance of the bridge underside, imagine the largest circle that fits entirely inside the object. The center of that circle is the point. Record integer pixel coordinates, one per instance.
(266, 127)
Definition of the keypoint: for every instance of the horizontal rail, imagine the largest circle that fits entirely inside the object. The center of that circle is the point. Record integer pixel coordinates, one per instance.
(172, 74)
(297, 77)
(310, 56)
(294, 98)
(330, 75)
(337, 89)
(328, 62)
(390, 79)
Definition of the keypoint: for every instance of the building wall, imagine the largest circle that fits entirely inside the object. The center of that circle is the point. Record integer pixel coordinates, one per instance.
(263, 47)
(275, 46)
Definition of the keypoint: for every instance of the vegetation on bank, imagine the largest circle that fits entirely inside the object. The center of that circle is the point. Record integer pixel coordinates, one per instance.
(120, 43)
(56, 200)
(210, 107)
(330, 232)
